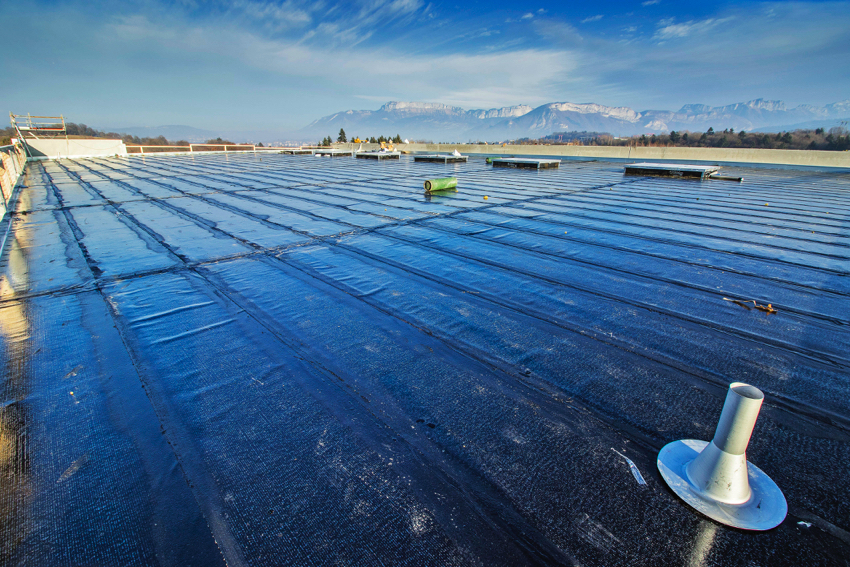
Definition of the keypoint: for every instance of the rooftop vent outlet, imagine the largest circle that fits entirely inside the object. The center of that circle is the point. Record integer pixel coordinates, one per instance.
(716, 479)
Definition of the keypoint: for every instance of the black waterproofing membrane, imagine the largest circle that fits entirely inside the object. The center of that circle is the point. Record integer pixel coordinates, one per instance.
(285, 360)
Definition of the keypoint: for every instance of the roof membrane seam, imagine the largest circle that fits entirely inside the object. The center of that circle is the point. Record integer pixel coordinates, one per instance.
(711, 290)
(698, 246)
(415, 443)
(697, 375)
(689, 262)
(838, 361)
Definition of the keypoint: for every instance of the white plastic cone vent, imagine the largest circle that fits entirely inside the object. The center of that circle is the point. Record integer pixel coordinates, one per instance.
(716, 479)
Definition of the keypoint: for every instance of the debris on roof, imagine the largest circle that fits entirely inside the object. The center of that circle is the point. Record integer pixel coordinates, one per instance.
(441, 184)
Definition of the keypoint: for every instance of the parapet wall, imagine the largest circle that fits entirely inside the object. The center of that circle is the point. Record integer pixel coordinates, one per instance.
(808, 158)
(12, 163)
(56, 148)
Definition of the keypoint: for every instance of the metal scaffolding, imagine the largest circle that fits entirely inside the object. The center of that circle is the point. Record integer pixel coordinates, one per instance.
(36, 127)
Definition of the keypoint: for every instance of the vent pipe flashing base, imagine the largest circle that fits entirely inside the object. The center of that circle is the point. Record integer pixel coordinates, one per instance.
(716, 479)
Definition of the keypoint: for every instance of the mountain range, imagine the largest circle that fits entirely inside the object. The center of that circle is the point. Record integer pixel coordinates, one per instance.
(444, 123)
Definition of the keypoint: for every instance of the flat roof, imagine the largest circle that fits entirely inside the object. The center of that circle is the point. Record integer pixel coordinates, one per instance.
(270, 359)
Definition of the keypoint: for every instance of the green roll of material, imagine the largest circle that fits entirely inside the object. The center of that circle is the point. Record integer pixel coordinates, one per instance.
(442, 184)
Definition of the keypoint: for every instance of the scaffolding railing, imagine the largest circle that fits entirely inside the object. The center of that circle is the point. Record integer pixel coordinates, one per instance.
(33, 126)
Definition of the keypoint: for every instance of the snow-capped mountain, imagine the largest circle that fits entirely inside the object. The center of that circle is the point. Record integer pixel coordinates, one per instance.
(415, 119)
(441, 122)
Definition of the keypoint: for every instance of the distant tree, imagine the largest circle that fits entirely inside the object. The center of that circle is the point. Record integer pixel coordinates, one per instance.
(397, 139)
(381, 139)
(82, 130)
(837, 139)
(181, 143)
(6, 135)
(341, 137)
(731, 130)
(372, 140)
(260, 145)
(841, 143)
(710, 131)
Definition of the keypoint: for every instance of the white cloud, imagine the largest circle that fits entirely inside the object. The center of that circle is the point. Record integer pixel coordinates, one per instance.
(280, 16)
(527, 16)
(469, 80)
(650, 3)
(670, 30)
(595, 18)
(317, 20)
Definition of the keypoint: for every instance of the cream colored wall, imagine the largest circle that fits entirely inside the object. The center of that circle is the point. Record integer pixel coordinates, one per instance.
(53, 148)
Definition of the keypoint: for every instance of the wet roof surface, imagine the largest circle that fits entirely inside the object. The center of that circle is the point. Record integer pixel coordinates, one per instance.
(290, 360)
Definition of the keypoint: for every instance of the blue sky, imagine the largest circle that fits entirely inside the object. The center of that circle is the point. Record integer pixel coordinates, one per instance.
(254, 64)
